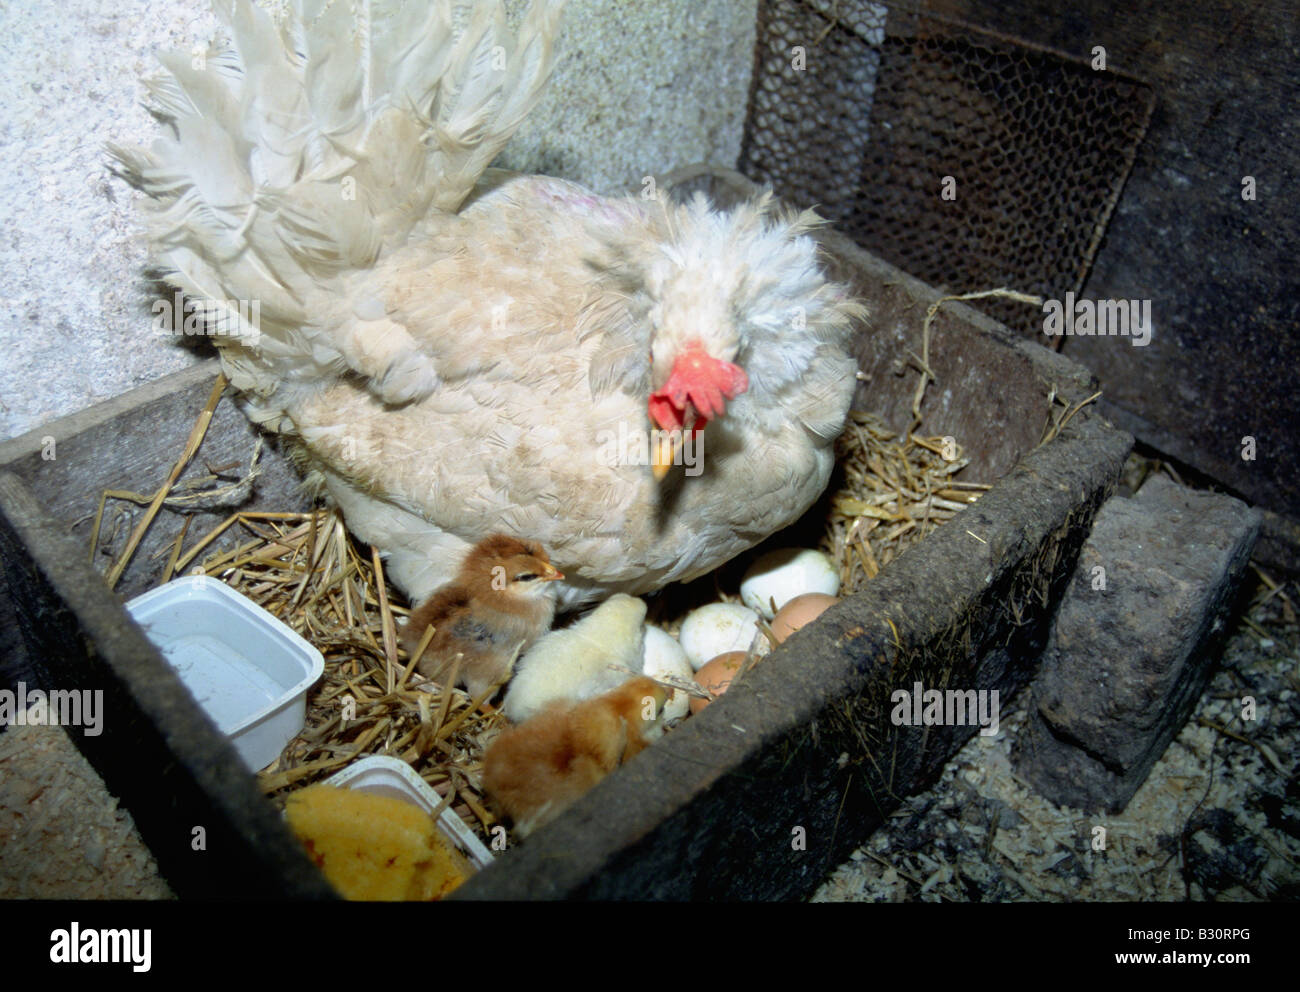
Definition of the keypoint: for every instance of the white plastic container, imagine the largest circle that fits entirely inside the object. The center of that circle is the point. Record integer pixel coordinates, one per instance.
(392, 777)
(248, 671)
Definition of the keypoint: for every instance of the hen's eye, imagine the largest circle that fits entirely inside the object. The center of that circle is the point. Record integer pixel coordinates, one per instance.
(525, 577)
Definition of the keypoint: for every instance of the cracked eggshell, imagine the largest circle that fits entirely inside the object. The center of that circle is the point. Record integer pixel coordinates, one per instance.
(716, 629)
(665, 657)
(779, 576)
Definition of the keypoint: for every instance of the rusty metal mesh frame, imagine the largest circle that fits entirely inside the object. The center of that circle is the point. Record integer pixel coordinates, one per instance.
(891, 100)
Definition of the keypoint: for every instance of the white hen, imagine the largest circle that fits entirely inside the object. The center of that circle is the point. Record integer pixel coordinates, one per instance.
(455, 352)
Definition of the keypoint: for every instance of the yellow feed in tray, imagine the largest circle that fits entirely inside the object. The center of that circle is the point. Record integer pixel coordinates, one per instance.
(372, 847)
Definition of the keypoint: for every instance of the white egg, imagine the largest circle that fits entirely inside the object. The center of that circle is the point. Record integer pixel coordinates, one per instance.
(716, 629)
(665, 657)
(779, 576)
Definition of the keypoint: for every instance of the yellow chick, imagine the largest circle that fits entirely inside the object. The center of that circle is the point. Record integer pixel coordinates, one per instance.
(583, 660)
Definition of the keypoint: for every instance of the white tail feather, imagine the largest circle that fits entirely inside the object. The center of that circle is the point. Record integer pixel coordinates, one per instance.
(305, 151)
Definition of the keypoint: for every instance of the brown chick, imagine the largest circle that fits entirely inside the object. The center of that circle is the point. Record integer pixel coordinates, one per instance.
(538, 769)
(501, 600)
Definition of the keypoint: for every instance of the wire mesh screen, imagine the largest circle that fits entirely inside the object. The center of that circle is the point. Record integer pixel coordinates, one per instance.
(968, 159)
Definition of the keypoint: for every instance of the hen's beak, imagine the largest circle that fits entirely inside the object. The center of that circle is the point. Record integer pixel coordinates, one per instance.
(551, 574)
(695, 393)
(667, 445)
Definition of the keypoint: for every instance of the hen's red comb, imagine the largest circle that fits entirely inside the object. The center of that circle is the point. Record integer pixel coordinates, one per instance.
(700, 380)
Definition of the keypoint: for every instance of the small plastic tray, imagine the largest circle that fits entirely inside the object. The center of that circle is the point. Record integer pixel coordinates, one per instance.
(248, 671)
(385, 776)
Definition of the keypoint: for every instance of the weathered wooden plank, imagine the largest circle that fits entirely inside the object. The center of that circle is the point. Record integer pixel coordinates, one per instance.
(130, 443)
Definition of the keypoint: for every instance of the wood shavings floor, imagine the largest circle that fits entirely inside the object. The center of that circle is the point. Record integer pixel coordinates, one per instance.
(62, 836)
(1215, 820)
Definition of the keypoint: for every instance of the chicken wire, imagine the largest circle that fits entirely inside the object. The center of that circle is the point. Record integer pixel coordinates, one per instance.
(862, 109)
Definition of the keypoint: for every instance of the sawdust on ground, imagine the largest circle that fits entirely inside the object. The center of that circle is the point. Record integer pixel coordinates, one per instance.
(62, 836)
(1217, 818)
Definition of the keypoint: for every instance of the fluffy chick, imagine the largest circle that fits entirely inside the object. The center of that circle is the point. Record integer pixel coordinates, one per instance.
(502, 599)
(581, 661)
(535, 771)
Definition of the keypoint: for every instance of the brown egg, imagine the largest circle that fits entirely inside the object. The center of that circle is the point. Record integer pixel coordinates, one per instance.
(715, 675)
(799, 612)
